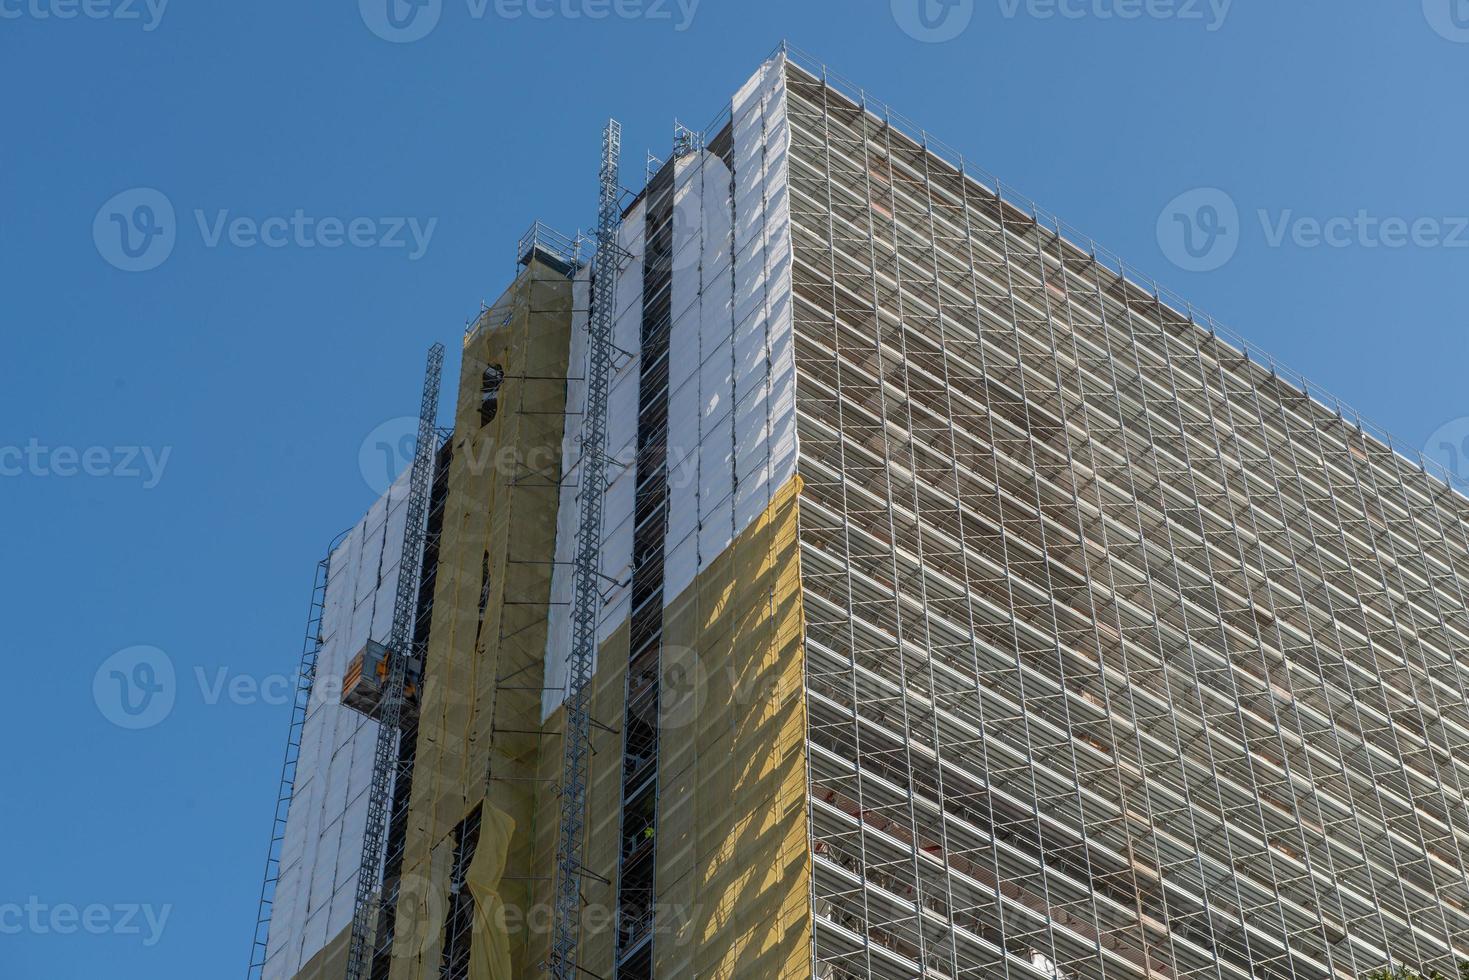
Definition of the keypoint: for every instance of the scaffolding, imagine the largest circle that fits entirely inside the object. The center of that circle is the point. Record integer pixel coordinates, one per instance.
(586, 601)
(1126, 656)
(558, 250)
(401, 650)
(637, 850)
(286, 789)
(1127, 653)
(397, 833)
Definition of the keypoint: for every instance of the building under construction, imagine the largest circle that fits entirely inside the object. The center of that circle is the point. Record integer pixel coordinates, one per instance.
(839, 568)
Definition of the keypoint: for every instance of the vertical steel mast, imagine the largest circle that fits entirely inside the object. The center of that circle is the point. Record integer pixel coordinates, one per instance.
(400, 641)
(300, 705)
(577, 743)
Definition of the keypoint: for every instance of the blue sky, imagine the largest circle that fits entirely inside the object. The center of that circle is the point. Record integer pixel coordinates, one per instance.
(178, 444)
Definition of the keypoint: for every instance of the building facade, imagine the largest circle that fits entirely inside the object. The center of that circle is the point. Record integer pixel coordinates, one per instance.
(968, 609)
(321, 849)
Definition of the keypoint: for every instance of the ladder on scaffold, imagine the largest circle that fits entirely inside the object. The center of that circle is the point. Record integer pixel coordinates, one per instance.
(286, 792)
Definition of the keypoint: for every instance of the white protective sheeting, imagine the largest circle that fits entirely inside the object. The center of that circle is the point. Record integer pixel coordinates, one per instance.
(558, 619)
(323, 844)
(622, 432)
(731, 376)
(692, 176)
(763, 356)
(733, 379)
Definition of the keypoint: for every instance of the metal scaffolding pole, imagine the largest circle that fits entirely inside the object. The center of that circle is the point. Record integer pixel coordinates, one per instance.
(577, 743)
(305, 681)
(405, 606)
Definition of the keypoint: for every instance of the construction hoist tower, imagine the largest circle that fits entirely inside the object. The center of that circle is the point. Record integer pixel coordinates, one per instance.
(587, 595)
(405, 608)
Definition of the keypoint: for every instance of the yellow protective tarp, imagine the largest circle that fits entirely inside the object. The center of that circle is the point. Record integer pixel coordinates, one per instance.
(489, 950)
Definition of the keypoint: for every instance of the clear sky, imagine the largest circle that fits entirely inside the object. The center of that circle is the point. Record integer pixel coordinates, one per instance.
(179, 443)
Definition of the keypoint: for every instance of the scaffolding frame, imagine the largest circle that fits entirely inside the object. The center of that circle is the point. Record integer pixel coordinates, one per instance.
(638, 793)
(380, 962)
(1128, 654)
(286, 789)
(557, 249)
(586, 601)
(400, 650)
(952, 159)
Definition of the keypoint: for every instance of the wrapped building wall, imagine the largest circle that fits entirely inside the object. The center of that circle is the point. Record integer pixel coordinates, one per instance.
(991, 616)
(323, 843)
